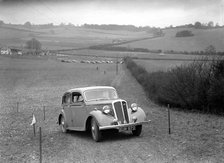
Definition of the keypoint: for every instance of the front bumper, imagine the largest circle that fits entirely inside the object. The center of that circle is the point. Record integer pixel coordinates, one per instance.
(122, 125)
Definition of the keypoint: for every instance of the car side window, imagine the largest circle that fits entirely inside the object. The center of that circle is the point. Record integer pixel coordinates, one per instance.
(77, 98)
(66, 99)
(80, 98)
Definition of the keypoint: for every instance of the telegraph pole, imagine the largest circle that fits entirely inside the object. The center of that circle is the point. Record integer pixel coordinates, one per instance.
(117, 66)
(32, 46)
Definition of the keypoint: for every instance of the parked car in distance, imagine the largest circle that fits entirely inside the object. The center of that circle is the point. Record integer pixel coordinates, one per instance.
(98, 108)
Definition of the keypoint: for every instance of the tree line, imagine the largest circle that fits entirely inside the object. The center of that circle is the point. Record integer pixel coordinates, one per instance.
(199, 25)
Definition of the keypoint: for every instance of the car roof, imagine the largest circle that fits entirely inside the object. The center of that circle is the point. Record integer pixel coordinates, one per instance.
(82, 89)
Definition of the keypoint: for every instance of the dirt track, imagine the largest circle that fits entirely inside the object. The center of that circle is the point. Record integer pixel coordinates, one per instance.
(122, 147)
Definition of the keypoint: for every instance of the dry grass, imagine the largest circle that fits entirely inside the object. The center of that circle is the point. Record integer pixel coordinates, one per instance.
(38, 81)
(65, 37)
(35, 82)
(81, 37)
(194, 137)
(159, 65)
(201, 40)
(35, 74)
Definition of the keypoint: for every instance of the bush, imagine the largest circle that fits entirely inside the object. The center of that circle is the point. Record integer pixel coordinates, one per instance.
(210, 50)
(216, 91)
(33, 44)
(196, 86)
(185, 33)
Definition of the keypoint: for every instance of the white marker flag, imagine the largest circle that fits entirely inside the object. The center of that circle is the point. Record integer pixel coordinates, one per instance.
(33, 120)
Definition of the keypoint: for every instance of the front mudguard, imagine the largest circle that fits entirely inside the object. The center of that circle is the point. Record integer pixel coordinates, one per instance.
(139, 115)
(135, 119)
(101, 118)
(106, 120)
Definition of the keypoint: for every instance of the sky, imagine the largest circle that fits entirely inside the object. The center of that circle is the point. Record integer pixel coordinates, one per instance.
(156, 13)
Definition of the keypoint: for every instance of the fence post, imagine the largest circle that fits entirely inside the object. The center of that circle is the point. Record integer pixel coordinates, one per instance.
(17, 107)
(40, 145)
(169, 118)
(44, 112)
(34, 130)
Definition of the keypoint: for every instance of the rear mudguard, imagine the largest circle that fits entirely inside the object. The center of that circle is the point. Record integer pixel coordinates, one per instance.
(59, 117)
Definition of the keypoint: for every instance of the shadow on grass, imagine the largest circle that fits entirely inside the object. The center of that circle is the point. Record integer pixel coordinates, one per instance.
(107, 136)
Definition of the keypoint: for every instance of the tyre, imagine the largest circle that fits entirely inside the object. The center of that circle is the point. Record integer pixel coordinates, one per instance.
(63, 125)
(96, 133)
(137, 131)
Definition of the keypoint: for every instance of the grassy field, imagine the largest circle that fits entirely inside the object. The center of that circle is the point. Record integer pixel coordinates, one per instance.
(64, 37)
(194, 137)
(200, 40)
(30, 73)
(37, 81)
(160, 65)
(77, 37)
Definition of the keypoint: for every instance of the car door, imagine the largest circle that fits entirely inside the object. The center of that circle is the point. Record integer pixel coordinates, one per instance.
(79, 111)
(66, 101)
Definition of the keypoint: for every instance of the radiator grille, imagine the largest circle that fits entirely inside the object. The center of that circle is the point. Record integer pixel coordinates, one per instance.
(124, 104)
(121, 111)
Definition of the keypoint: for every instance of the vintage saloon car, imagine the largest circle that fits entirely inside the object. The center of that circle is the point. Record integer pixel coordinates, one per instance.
(98, 108)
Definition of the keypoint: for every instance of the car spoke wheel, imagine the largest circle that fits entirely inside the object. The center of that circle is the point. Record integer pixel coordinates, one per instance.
(96, 133)
(63, 125)
(137, 131)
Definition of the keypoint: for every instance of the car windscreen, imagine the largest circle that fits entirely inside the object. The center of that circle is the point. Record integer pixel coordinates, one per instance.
(100, 94)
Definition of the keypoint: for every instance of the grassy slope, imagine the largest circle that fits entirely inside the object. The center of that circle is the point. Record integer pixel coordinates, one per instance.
(35, 82)
(200, 41)
(11, 37)
(153, 66)
(31, 73)
(195, 137)
(80, 37)
(64, 37)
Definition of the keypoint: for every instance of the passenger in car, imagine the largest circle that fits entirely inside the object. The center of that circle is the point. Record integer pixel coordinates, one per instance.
(80, 98)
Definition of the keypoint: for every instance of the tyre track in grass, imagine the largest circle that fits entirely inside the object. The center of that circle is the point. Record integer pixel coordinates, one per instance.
(79, 146)
(122, 147)
(154, 145)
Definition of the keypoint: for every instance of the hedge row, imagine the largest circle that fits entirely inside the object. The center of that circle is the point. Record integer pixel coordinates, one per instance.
(109, 47)
(196, 86)
(124, 49)
(184, 33)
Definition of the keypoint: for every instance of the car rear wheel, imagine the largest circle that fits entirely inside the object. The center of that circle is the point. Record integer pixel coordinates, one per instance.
(63, 125)
(137, 131)
(96, 133)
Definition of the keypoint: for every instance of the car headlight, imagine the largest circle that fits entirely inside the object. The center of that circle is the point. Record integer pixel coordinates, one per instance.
(106, 109)
(134, 107)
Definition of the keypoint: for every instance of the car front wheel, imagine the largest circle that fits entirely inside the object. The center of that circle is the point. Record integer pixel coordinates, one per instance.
(137, 131)
(96, 133)
(63, 125)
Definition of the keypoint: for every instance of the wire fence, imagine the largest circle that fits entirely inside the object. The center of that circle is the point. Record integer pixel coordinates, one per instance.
(46, 116)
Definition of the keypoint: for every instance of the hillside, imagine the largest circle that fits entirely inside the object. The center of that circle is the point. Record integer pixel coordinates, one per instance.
(78, 37)
(202, 38)
(35, 82)
(64, 37)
